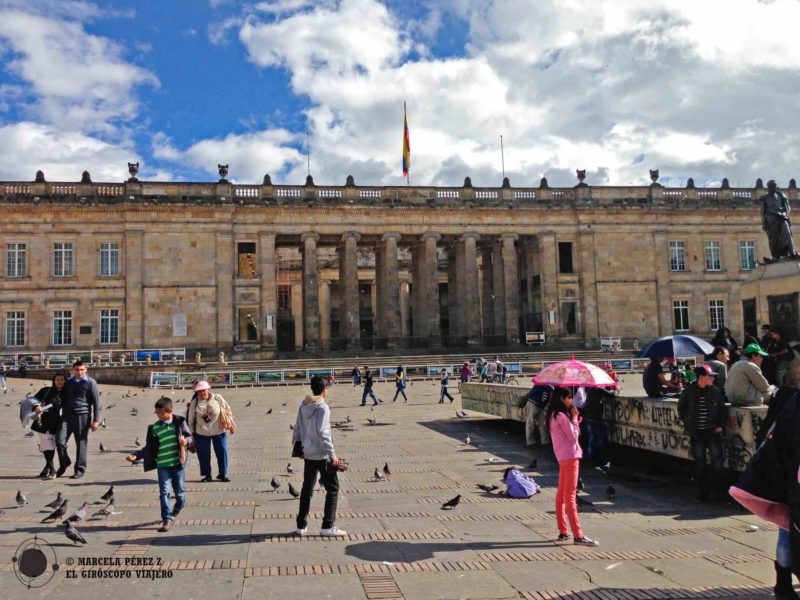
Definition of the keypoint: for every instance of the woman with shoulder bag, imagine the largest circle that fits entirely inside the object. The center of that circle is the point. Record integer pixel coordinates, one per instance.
(210, 420)
(47, 423)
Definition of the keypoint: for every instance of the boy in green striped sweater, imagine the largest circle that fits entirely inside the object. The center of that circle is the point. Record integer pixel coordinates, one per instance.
(165, 450)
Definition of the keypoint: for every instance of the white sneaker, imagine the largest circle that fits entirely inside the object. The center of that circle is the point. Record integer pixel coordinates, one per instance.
(585, 541)
(332, 532)
(301, 531)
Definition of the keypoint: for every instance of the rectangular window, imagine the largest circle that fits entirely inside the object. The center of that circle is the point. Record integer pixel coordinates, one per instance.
(247, 258)
(62, 328)
(16, 260)
(63, 259)
(15, 328)
(713, 256)
(716, 314)
(680, 312)
(565, 257)
(109, 260)
(109, 326)
(747, 255)
(677, 256)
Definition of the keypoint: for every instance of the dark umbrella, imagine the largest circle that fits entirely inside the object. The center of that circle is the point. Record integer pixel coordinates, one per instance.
(675, 346)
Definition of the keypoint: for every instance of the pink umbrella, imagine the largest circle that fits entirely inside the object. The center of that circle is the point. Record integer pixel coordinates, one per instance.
(574, 373)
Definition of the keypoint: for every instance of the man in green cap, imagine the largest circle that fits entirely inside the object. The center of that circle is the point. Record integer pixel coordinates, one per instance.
(745, 384)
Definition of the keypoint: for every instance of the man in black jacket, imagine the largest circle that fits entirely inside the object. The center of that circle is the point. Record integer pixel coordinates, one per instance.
(702, 411)
(80, 412)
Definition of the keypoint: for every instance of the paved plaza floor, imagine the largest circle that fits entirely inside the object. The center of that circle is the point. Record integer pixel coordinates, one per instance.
(234, 539)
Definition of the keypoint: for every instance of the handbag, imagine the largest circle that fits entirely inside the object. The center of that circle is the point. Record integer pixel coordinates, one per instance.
(297, 449)
(226, 416)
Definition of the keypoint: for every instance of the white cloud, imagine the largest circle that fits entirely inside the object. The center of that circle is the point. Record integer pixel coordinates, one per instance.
(27, 147)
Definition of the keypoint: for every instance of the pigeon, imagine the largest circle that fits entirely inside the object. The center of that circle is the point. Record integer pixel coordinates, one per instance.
(72, 533)
(604, 469)
(372, 421)
(610, 492)
(78, 515)
(464, 414)
(467, 440)
(581, 487)
(386, 470)
(249, 402)
(452, 503)
(102, 448)
(21, 499)
(377, 475)
(293, 492)
(291, 426)
(275, 484)
(488, 488)
(134, 412)
(57, 502)
(110, 406)
(581, 502)
(348, 419)
(269, 412)
(108, 495)
(459, 415)
(106, 511)
(30, 434)
(137, 443)
(533, 464)
(103, 424)
(57, 513)
(289, 469)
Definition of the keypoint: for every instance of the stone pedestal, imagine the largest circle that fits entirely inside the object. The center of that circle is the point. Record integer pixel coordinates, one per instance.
(775, 290)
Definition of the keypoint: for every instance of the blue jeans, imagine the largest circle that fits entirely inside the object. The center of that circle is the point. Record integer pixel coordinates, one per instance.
(368, 391)
(398, 392)
(203, 445)
(783, 553)
(597, 436)
(171, 479)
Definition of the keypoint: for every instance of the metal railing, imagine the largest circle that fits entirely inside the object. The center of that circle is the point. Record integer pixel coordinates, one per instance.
(97, 358)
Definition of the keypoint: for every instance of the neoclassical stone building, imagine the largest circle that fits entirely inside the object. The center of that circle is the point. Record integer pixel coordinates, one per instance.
(219, 265)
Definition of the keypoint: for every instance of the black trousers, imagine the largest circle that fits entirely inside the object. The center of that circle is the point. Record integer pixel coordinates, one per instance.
(77, 426)
(329, 479)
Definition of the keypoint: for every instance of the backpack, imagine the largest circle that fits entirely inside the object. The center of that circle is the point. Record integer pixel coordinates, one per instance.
(540, 395)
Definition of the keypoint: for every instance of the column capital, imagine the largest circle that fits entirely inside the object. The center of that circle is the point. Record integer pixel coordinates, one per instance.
(390, 236)
(351, 234)
(309, 235)
(474, 235)
(431, 236)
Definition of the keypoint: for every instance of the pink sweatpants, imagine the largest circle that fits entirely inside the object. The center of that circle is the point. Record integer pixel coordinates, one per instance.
(566, 506)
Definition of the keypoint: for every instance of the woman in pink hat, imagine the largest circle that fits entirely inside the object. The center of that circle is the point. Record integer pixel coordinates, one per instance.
(210, 420)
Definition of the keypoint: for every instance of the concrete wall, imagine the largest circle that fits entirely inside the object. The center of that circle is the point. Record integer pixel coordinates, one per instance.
(643, 423)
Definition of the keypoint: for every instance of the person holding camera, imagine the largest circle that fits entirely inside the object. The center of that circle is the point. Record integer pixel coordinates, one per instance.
(210, 420)
(313, 442)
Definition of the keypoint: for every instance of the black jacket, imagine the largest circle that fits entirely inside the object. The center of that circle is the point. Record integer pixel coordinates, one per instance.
(772, 472)
(149, 453)
(687, 407)
(52, 418)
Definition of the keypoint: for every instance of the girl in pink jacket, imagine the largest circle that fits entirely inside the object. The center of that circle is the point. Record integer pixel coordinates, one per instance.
(564, 425)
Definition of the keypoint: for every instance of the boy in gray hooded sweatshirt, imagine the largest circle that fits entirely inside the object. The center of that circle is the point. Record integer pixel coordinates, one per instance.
(313, 429)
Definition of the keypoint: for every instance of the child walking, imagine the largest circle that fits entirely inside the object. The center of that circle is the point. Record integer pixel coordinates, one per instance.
(564, 426)
(444, 380)
(165, 450)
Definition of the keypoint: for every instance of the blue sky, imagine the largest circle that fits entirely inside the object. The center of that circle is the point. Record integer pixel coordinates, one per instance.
(613, 87)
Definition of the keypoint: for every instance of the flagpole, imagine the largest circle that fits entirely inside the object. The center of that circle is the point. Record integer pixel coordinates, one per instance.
(308, 149)
(502, 157)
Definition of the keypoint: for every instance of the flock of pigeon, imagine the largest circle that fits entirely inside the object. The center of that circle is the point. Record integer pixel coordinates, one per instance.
(71, 520)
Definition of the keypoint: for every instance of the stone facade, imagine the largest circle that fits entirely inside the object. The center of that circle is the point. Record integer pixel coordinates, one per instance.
(292, 267)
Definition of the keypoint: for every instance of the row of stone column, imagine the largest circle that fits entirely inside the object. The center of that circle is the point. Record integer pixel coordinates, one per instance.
(495, 313)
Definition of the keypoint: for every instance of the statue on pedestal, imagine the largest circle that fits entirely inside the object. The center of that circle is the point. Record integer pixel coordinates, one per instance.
(775, 222)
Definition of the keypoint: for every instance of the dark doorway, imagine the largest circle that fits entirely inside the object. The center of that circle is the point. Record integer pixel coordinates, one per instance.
(749, 317)
(365, 329)
(285, 335)
(569, 318)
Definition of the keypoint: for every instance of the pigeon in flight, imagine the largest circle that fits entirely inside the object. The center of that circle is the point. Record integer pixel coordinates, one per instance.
(275, 484)
(293, 492)
(57, 502)
(108, 495)
(57, 513)
(72, 533)
(386, 470)
(289, 468)
(610, 492)
(488, 488)
(21, 499)
(79, 515)
(452, 503)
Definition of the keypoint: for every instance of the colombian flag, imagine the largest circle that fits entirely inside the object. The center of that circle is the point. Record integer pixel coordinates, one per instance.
(406, 144)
